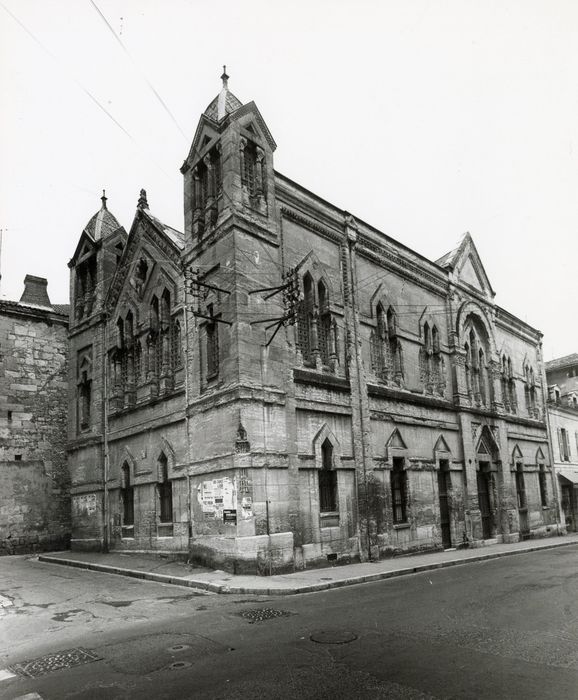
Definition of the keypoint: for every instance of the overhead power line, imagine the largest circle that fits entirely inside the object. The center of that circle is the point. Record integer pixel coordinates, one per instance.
(144, 77)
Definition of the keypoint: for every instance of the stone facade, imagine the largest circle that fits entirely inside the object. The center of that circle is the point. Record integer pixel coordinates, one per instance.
(562, 377)
(34, 481)
(366, 402)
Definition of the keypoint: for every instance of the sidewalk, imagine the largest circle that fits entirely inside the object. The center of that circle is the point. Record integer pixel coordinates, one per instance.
(155, 568)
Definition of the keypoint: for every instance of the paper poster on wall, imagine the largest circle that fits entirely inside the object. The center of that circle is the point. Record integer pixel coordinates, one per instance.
(84, 504)
(216, 495)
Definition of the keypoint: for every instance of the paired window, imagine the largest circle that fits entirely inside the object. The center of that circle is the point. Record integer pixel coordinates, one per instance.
(509, 398)
(253, 170)
(207, 187)
(478, 381)
(85, 288)
(316, 329)
(530, 392)
(386, 353)
(432, 368)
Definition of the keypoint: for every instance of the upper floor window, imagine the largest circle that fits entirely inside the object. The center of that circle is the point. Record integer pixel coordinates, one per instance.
(530, 392)
(386, 352)
(85, 288)
(432, 366)
(509, 398)
(564, 444)
(212, 333)
(316, 328)
(252, 168)
(84, 389)
(478, 376)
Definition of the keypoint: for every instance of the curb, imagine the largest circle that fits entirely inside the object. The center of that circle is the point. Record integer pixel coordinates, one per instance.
(312, 588)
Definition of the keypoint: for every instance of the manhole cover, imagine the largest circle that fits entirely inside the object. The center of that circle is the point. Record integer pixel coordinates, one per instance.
(261, 614)
(333, 637)
(179, 647)
(178, 665)
(54, 662)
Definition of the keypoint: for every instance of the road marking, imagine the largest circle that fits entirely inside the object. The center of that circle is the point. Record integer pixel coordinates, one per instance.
(29, 696)
(5, 675)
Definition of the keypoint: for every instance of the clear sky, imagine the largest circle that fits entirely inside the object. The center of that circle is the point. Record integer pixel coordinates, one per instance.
(425, 118)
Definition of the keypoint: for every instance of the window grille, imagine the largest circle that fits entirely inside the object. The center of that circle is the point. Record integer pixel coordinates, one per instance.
(399, 492)
(250, 164)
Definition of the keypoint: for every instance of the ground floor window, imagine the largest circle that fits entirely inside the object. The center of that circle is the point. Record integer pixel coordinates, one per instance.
(399, 491)
(543, 487)
(327, 480)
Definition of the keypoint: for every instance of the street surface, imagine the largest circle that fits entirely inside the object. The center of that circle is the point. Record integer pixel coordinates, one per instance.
(506, 628)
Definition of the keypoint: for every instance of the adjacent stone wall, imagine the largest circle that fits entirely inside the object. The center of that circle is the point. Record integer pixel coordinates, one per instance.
(34, 479)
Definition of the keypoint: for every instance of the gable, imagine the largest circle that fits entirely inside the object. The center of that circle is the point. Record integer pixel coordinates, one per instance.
(464, 261)
(85, 248)
(395, 440)
(469, 275)
(146, 242)
(441, 445)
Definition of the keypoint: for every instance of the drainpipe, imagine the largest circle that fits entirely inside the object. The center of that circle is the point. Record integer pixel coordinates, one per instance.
(555, 495)
(105, 471)
(351, 242)
(187, 418)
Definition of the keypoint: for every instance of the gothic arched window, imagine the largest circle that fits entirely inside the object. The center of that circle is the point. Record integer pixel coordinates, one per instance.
(304, 321)
(324, 324)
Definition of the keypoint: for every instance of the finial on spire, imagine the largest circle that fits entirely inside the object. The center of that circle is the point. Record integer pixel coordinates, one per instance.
(225, 77)
(142, 200)
(103, 199)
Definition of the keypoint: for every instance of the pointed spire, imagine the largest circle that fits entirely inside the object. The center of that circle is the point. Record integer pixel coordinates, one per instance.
(225, 78)
(142, 200)
(222, 99)
(103, 199)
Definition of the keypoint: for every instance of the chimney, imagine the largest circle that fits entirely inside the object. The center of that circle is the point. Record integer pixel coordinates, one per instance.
(35, 291)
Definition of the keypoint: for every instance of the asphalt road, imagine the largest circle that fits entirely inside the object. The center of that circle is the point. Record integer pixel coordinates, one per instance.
(506, 628)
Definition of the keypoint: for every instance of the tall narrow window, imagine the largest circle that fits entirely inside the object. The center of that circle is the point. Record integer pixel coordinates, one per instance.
(323, 324)
(138, 362)
(127, 497)
(380, 360)
(399, 491)
(327, 480)
(542, 485)
(249, 174)
(305, 314)
(165, 491)
(176, 350)
(520, 486)
(85, 394)
(482, 380)
(212, 332)
(468, 367)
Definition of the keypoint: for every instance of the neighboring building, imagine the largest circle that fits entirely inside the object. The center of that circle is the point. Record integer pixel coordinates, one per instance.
(402, 410)
(34, 481)
(562, 377)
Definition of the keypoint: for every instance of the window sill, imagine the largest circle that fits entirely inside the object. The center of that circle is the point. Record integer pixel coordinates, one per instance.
(401, 526)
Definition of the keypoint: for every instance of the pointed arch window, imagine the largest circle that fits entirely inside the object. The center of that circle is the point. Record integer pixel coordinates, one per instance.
(138, 362)
(324, 324)
(176, 348)
(304, 321)
(386, 352)
(530, 392)
(542, 483)
(478, 377)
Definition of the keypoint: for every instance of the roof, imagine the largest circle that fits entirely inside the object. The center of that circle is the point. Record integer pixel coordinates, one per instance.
(176, 237)
(224, 103)
(560, 362)
(53, 309)
(103, 223)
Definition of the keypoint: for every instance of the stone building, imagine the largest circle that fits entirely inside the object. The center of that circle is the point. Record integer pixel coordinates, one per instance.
(282, 385)
(34, 482)
(562, 377)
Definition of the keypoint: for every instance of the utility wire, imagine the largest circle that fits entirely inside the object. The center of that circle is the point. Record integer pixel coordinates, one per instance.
(143, 76)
